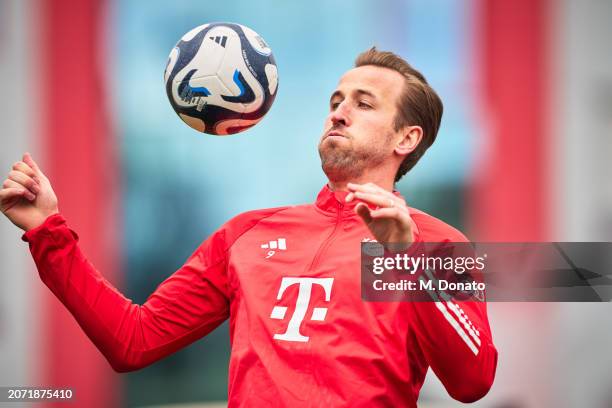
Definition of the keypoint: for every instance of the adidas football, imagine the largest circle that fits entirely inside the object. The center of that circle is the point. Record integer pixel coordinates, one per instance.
(221, 78)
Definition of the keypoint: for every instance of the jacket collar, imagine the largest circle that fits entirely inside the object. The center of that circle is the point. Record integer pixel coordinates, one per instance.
(331, 202)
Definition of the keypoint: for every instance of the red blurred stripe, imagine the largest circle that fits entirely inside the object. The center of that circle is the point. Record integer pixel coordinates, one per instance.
(510, 200)
(81, 165)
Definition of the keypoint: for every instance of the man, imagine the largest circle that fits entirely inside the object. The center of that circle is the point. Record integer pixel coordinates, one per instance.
(288, 278)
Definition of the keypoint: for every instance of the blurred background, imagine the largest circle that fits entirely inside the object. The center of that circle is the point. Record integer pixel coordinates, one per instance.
(523, 154)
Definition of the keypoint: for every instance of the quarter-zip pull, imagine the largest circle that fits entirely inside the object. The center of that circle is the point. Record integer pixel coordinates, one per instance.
(328, 240)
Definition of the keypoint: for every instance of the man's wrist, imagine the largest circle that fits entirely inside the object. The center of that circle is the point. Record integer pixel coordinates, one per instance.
(38, 221)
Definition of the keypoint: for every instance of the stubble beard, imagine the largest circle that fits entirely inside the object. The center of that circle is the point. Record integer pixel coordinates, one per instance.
(343, 162)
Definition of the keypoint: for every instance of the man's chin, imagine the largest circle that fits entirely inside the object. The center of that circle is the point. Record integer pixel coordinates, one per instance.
(334, 146)
(340, 173)
(337, 166)
(331, 153)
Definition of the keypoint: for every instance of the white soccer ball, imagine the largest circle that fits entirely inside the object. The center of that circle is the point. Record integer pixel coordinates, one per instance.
(221, 78)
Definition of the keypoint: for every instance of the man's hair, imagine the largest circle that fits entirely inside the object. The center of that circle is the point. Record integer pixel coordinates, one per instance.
(418, 104)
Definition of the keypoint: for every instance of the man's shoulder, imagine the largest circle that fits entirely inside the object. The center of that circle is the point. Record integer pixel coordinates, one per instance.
(227, 234)
(250, 218)
(432, 229)
(245, 221)
(263, 213)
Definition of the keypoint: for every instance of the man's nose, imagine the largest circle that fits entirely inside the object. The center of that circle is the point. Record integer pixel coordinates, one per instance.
(341, 115)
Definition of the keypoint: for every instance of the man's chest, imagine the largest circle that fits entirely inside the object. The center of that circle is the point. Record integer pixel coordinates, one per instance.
(293, 281)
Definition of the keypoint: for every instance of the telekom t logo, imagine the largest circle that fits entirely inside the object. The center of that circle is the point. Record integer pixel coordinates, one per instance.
(301, 305)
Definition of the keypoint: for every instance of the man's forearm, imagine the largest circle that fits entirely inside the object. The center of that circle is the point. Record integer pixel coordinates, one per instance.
(129, 335)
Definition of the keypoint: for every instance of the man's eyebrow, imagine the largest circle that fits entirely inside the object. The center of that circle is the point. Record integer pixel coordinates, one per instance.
(336, 93)
(365, 92)
(357, 91)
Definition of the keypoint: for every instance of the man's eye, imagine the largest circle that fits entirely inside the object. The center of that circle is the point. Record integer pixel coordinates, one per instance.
(365, 105)
(334, 105)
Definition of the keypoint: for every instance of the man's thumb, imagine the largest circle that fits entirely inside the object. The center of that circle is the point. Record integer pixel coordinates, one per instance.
(364, 212)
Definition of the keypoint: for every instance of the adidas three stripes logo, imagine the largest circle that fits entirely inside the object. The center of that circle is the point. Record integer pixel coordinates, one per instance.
(220, 39)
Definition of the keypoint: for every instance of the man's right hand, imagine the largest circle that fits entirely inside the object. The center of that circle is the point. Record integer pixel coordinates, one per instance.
(27, 198)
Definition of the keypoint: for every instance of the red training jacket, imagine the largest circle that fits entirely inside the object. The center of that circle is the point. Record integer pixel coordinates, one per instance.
(289, 281)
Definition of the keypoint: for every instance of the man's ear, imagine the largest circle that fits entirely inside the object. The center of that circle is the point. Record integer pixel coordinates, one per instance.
(412, 136)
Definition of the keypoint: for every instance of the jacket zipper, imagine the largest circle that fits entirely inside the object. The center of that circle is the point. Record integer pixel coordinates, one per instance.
(327, 241)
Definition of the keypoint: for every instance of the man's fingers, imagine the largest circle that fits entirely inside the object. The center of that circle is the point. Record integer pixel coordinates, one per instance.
(27, 194)
(392, 213)
(366, 188)
(24, 168)
(372, 189)
(364, 212)
(381, 200)
(8, 183)
(27, 158)
(389, 212)
(8, 193)
(24, 180)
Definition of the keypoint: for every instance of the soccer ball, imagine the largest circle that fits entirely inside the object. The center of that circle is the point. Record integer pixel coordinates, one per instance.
(221, 78)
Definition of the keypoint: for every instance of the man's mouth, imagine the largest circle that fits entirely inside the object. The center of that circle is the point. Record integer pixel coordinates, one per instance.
(335, 133)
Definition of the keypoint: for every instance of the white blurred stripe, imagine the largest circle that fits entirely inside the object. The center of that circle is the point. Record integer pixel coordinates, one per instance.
(19, 284)
(465, 321)
(456, 309)
(455, 325)
(451, 320)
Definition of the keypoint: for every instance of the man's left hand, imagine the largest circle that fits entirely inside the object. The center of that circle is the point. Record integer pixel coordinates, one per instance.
(390, 221)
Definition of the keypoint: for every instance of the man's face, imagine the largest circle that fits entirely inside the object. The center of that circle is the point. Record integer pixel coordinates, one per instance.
(359, 132)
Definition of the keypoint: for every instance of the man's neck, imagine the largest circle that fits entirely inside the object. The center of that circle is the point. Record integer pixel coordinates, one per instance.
(341, 185)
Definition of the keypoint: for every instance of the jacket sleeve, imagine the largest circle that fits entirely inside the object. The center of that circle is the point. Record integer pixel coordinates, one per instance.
(186, 306)
(456, 341)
